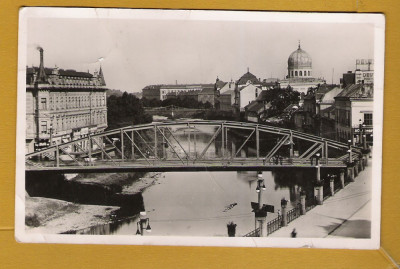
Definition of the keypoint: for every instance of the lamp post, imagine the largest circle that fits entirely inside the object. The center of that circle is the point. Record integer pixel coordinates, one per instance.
(259, 215)
(364, 137)
(360, 125)
(51, 134)
(349, 151)
(142, 223)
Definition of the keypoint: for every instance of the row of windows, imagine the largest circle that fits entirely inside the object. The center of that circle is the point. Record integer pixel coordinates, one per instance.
(300, 73)
(77, 121)
(67, 102)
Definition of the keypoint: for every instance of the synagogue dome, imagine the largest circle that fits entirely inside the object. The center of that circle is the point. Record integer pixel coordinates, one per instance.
(299, 59)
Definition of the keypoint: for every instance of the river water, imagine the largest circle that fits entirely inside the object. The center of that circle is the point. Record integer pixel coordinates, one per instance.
(202, 203)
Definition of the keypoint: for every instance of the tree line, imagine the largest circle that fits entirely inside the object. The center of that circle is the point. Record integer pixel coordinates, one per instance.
(125, 110)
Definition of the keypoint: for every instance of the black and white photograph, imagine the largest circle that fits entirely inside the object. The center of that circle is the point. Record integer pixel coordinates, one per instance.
(199, 128)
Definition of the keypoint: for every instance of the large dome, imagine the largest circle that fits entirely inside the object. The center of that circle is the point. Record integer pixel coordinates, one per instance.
(299, 59)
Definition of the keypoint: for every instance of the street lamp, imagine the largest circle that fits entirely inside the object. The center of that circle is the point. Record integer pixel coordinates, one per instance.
(142, 223)
(317, 156)
(51, 134)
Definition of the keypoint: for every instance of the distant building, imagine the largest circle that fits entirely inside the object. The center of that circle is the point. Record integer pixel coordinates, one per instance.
(160, 92)
(247, 89)
(300, 72)
(257, 110)
(63, 105)
(364, 73)
(208, 95)
(316, 101)
(152, 92)
(226, 97)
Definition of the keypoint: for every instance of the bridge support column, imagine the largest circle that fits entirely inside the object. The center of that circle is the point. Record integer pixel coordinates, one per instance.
(284, 213)
(319, 194)
(342, 178)
(332, 186)
(318, 173)
(233, 149)
(350, 173)
(303, 203)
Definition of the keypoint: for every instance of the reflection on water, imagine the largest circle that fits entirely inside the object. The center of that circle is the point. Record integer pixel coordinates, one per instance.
(202, 203)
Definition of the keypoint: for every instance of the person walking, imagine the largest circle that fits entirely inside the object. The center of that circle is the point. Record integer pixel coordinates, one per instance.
(294, 233)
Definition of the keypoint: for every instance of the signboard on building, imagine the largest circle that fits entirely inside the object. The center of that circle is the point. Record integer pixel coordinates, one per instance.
(365, 64)
(366, 77)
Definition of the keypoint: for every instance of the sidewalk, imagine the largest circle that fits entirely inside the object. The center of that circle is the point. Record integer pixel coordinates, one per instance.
(346, 214)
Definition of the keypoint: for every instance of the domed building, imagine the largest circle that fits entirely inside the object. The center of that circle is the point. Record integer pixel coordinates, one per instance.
(299, 64)
(300, 73)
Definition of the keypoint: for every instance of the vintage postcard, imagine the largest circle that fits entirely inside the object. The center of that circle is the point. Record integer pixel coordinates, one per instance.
(199, 128)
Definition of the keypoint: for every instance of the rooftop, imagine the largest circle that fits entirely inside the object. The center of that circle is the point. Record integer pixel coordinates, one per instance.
(357, 91)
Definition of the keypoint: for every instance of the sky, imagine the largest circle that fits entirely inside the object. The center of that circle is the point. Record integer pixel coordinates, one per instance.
(134, 53)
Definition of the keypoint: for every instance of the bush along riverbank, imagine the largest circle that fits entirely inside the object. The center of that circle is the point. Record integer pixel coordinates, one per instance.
(55, 204)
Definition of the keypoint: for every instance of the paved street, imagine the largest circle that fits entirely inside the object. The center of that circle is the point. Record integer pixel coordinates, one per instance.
(347, 214)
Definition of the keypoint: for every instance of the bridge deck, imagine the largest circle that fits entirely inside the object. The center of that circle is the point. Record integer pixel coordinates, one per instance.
(172, 165)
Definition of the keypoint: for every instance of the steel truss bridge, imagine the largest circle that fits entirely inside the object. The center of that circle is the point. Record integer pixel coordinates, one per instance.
(182, 146)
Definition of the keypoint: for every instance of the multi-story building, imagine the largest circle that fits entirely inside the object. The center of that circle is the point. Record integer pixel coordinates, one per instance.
(63, 105)
(354, 110)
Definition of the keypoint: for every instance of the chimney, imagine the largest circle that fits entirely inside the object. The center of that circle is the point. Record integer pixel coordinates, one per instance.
(42, 73)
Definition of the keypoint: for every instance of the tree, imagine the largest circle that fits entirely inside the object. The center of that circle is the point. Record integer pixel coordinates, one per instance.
(280, 99)
(125, 110)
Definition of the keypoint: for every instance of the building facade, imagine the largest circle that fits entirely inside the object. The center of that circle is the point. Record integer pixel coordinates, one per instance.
(354, 113)
(63, 105)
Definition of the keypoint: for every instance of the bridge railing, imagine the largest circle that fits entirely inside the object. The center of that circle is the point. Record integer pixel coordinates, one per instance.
(254, 233)
(274, 225)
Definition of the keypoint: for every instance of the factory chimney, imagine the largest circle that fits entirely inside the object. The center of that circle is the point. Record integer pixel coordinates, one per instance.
(42, 74)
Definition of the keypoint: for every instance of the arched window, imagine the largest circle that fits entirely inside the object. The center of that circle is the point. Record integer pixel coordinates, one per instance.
(309, 73)
(295, 73)
(301, 73)
(292, 74)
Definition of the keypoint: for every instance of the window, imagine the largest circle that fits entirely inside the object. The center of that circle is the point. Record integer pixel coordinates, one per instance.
(301, 73)
(43, 103)
(368, 118)
(309, 73)
(295, 73)
(292, 73)
(43, 127)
